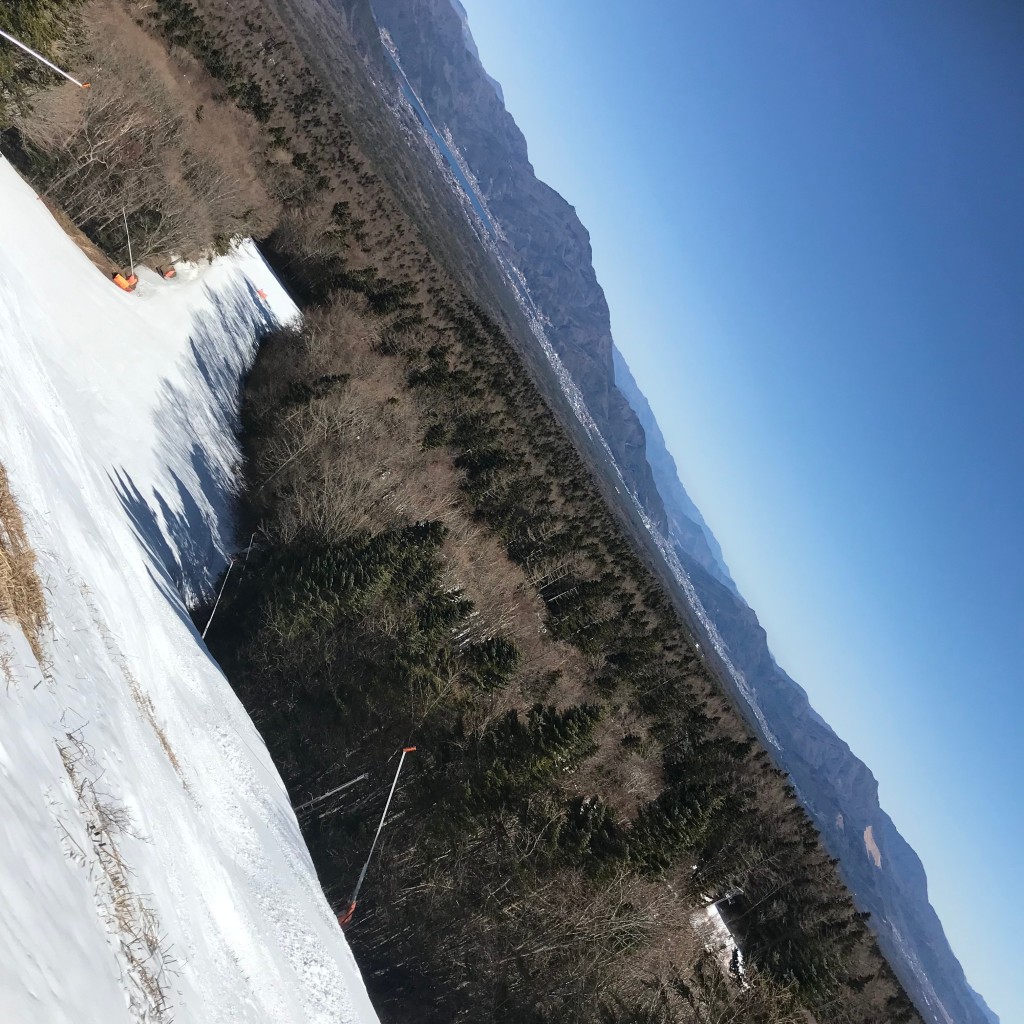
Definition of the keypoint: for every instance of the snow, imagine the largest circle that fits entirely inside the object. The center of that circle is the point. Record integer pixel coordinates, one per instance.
(712, 930)
(152, 866)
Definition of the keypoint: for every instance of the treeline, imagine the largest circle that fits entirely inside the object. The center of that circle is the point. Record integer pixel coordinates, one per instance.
(435, 566)
(505, 889)
(580, 790)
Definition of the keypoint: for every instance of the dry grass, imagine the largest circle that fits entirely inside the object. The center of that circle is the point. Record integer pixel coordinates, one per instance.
(149, 136)
(144, 956)
(6, 663)
(21, 593)
(96, 256)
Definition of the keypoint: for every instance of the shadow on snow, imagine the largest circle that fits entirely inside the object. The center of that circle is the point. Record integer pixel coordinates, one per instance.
(187, 523)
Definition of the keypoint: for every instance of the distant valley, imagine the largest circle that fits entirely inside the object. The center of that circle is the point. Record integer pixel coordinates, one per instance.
(539, 237)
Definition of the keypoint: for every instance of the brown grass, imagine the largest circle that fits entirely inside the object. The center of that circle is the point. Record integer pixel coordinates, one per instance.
(96, 256)
(149, 136)
(6, 663)
(21, 593)
(131, 921)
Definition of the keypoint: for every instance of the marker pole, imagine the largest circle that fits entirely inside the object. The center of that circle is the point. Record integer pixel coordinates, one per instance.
(344, 919)
(39, 57)
(131, 261)
(220, 594)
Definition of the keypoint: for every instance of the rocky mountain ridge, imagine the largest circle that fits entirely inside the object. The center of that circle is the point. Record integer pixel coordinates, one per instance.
(543, 236)
(690, 535)
(841, 794)
(545, 239)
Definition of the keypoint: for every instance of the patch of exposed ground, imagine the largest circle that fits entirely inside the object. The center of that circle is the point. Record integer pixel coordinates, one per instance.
(21, 594)
(872, 847)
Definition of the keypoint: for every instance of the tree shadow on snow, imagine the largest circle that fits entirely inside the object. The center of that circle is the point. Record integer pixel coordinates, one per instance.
(187, 521)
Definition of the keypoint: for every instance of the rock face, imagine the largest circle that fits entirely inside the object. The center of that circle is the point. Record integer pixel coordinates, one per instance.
(841, 795)
(547, 242)
(544, 237)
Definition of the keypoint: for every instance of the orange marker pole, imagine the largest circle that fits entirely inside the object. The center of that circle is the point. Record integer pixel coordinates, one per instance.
(39, 57)
(344, 919)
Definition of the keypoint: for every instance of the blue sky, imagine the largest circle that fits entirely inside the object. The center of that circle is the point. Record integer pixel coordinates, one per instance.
(808, 218)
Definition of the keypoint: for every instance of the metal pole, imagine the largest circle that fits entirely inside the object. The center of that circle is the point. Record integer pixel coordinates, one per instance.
(344, 920)
(331, 792)
(42, 59)
(131, 261)
(219, 596)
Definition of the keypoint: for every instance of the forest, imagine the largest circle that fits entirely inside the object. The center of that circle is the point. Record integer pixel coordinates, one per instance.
(433, 564)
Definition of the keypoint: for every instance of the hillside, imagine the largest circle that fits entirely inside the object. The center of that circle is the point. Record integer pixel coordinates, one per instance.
(547, 242)
(153, 867)
(545, 239)
(882, 870)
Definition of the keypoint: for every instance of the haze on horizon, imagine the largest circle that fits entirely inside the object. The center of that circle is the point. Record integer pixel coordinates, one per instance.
(809, 222)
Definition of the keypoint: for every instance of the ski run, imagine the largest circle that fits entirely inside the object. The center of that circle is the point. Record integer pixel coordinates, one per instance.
(152, 866)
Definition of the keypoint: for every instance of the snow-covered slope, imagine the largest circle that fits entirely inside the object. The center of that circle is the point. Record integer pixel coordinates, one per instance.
(151, 864)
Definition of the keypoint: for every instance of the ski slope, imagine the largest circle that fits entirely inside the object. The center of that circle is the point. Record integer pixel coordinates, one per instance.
(152, 868)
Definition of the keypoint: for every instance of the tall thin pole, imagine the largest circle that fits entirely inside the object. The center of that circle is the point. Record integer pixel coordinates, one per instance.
(42, 59)
(219, 596)
(330, 792)
(131, 261)
(344, 919)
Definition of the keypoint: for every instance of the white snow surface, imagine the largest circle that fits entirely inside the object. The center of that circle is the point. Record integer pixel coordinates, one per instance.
(116, 430)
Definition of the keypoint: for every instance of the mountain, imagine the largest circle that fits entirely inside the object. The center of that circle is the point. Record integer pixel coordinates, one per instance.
(985, 1008)
(882, 870)
(542, 237)
(690, 535)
